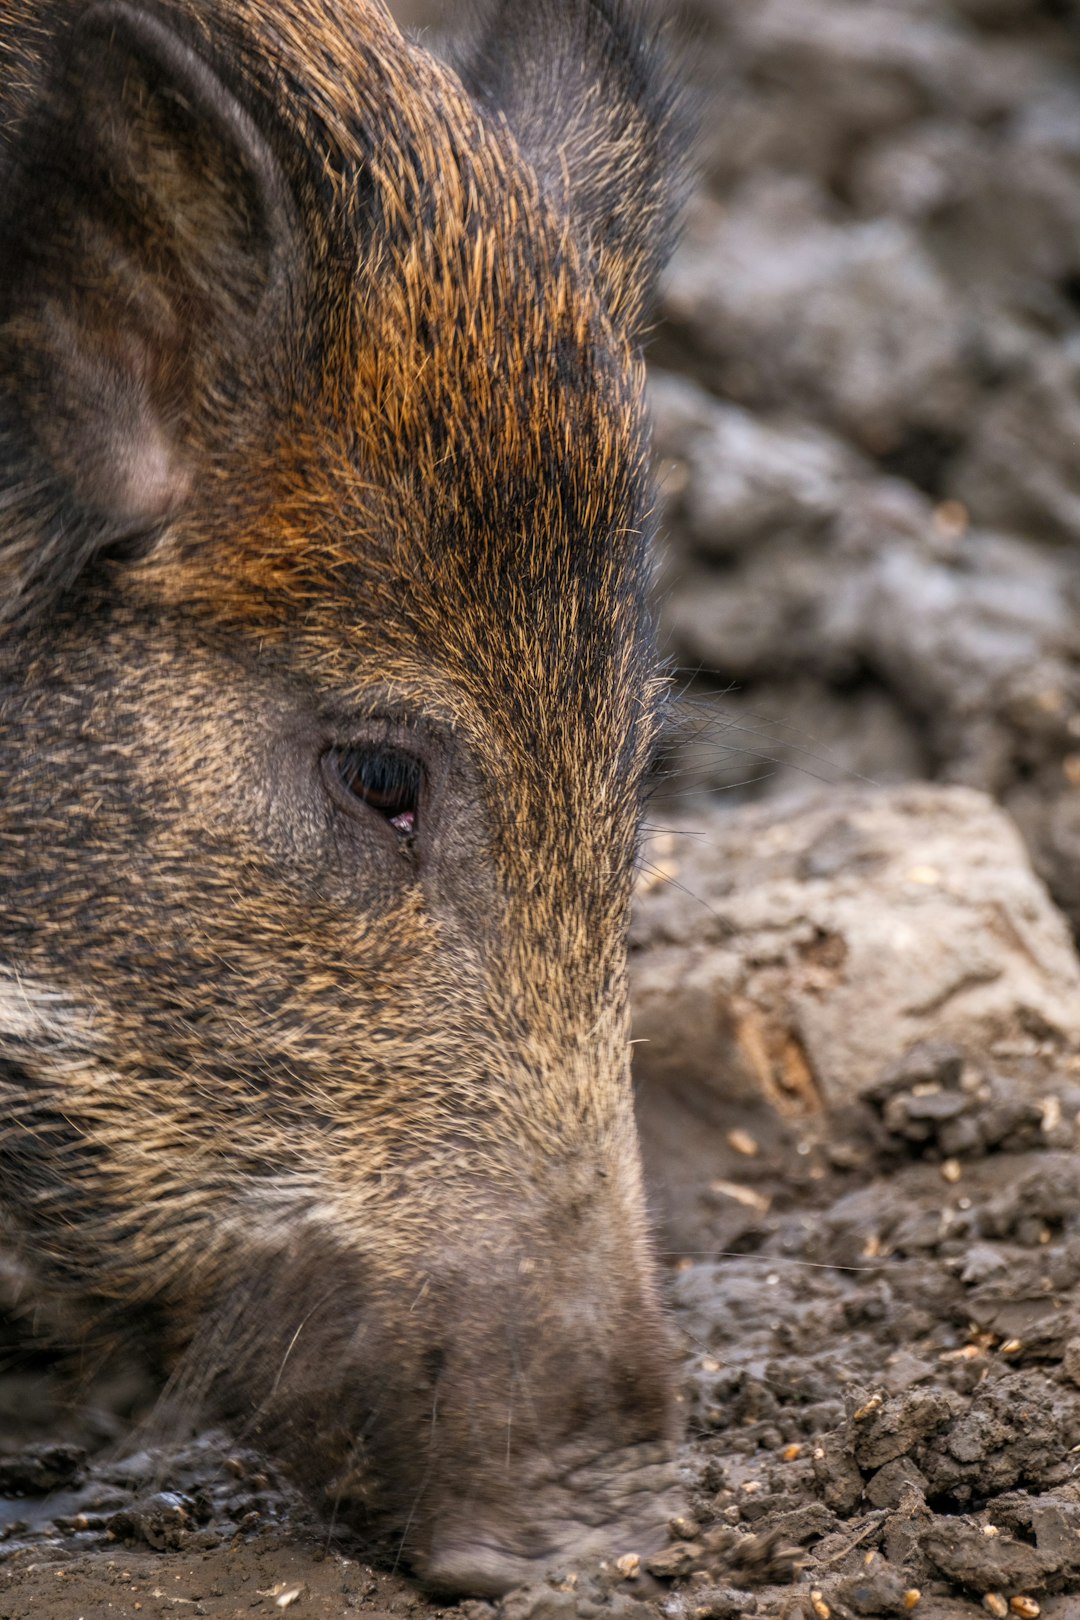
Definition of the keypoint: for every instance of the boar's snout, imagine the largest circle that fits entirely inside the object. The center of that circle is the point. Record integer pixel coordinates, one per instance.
(607, 1507)
(491, 1405)
(549, 1419)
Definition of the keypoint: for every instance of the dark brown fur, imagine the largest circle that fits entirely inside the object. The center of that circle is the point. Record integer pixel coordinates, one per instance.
(321, 428)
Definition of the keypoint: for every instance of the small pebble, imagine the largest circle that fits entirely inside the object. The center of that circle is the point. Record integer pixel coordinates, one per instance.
(675, 1560)
(629, 1566)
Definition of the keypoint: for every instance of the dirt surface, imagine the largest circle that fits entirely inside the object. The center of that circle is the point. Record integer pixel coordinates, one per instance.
(859, 1005)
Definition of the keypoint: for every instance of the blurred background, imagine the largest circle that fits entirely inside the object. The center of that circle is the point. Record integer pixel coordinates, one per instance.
(866, 380)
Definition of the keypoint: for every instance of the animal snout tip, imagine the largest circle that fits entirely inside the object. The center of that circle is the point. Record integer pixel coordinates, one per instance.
(478, 1558)
(467, 1566)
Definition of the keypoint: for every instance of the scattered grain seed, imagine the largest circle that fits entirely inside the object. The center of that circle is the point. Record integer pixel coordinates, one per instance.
(872, 1247)
(751, 1485)
(629, 1566)
(819, 1605)
(749, 1197)
(966, 1352)
(710, 1364)
(791, 1453)
(951, 519)
(991, 1530)
(742, 1142)
(926, 875)
(1012, 1347)
(1025, 1607)
(684, 1528)
(287, 1599)
(865, 1410)
(951, 1170)
(996, 1605)
(911, 1599)
(1050, 1108)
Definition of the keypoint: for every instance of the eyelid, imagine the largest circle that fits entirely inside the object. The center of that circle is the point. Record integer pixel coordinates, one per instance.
(386, 779)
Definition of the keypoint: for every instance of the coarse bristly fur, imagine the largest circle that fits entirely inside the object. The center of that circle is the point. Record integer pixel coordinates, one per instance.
(327, 689)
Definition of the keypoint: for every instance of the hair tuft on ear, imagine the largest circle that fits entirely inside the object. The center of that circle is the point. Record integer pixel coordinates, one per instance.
(589, 90)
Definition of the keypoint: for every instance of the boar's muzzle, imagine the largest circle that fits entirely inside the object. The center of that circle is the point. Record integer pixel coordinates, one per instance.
(491, 1409)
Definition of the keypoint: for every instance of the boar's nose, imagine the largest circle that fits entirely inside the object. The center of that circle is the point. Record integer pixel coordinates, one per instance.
(479, 1564)
(619, 1505)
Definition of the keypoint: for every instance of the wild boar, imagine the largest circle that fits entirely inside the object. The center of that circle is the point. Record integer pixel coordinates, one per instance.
(328, 687)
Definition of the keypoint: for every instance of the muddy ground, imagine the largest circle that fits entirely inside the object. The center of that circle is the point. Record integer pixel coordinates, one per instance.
(858, 995)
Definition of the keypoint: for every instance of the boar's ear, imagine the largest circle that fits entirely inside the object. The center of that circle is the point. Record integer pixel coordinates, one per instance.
(143, 222)
(586, 87)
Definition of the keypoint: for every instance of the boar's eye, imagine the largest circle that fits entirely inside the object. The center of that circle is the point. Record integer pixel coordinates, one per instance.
(384, 778)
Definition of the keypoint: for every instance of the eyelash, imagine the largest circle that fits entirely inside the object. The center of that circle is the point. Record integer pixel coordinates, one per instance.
(386, 779)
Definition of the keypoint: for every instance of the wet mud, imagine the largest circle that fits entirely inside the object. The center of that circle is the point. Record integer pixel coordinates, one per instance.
(864, 1164)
